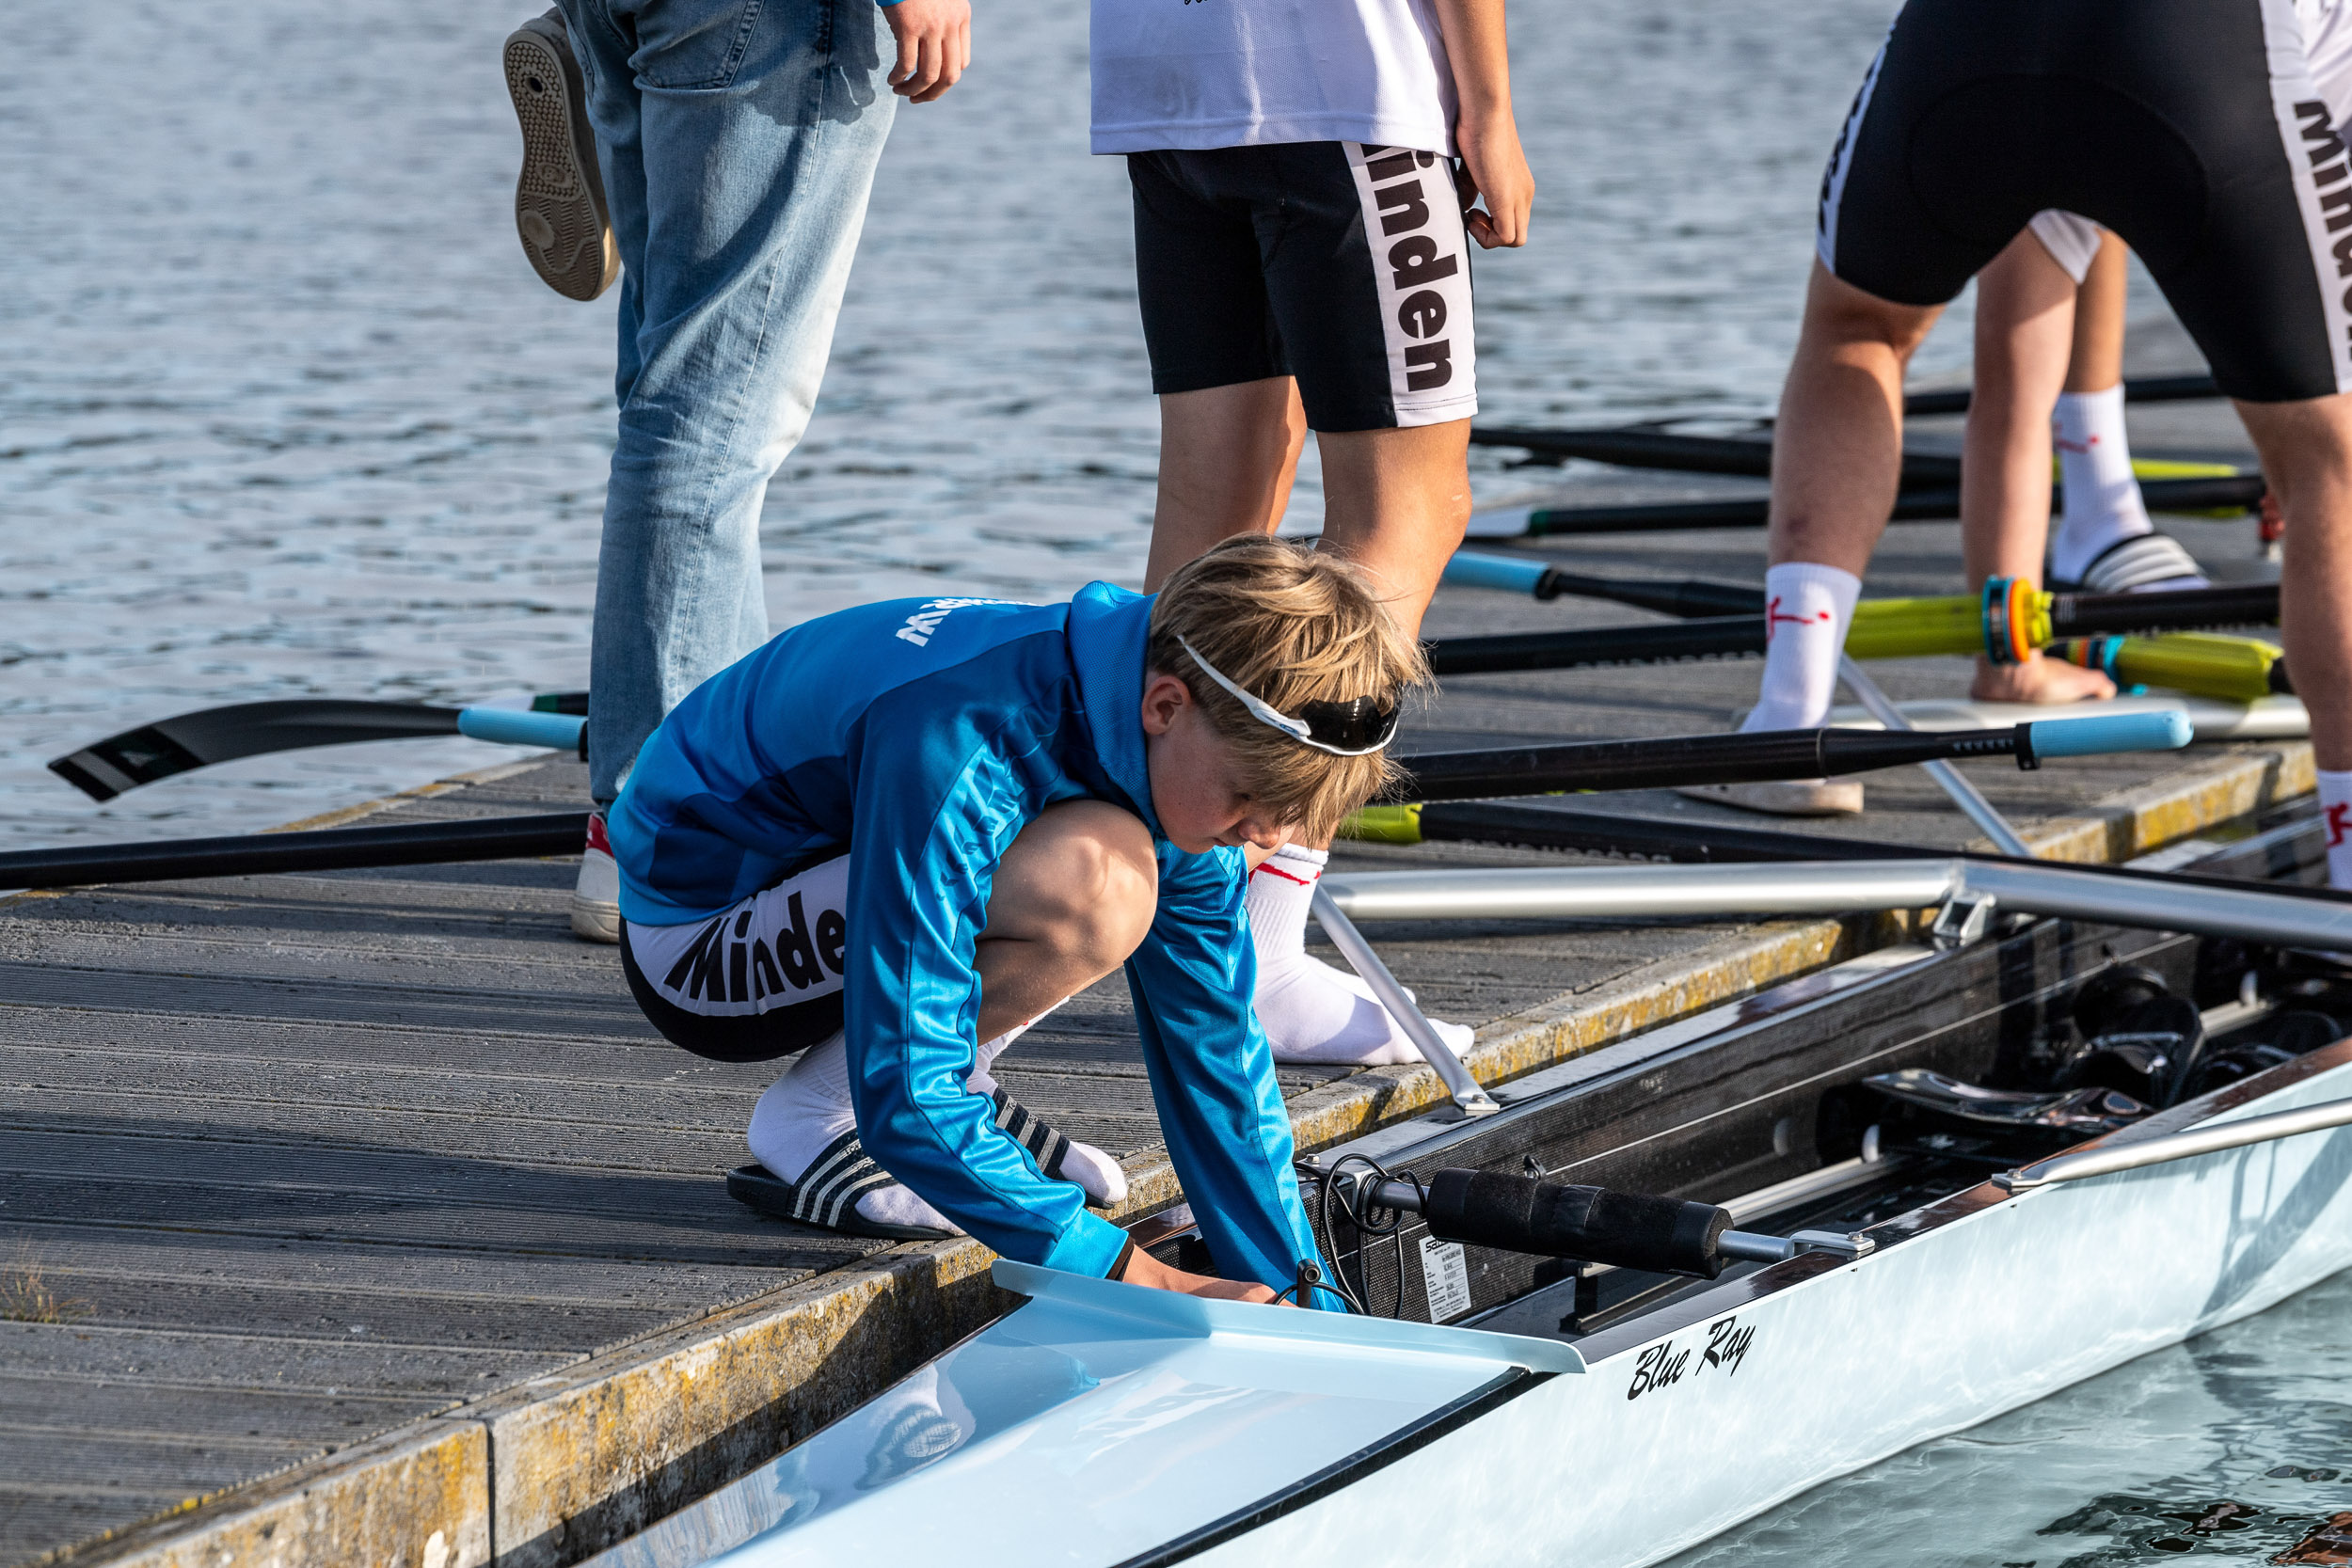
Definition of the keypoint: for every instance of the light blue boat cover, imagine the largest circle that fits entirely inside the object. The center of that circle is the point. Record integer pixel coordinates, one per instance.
(1053, 1436)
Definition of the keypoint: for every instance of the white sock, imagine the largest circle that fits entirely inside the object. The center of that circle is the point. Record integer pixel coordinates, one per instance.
(2335, 813)
(1311, 1012)
(1808, 609)
(809, 1107)
(2102, 501)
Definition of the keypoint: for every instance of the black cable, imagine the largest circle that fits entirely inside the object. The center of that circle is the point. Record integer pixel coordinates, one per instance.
(1362, 1214)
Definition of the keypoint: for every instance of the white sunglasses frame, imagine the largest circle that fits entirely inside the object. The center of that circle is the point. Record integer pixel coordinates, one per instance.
(1266, 713)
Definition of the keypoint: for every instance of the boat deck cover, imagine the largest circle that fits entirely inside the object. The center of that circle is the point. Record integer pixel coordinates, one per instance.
(1059, 1420)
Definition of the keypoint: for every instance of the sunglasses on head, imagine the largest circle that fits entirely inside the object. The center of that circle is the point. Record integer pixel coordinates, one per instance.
(1350, 727)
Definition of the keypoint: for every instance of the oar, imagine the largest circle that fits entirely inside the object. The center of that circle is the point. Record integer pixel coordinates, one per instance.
(1632, 446)
(1687, 597)
(1768, 755)
(494, 838)
(2010, 614)
(105, 769)
(2150, 389)
(1648, 447)
(2223, 496)
(1438, 775)
(1750, 457)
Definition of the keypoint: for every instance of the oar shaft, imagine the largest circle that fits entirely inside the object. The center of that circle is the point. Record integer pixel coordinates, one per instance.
(1882, 629)
(2229, 495)
(495, 838)
(1767, 754)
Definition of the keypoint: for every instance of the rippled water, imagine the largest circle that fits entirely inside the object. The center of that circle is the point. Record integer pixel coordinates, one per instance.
(2229, 1448)
(285, 412)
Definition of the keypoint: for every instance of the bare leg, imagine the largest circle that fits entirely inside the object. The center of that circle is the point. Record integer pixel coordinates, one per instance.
(2026, 321)
(1397, 502)
(2096, 363)
(1073, 896)
(1837, 446)
(2307, 457)
(1228, 456)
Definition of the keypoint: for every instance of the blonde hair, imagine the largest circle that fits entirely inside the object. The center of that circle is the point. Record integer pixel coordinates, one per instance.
(1291, 625)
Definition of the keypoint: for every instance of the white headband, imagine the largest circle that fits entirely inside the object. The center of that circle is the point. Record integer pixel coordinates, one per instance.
(1266, 713)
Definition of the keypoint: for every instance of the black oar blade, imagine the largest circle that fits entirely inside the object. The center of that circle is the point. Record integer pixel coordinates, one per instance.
(107, 768)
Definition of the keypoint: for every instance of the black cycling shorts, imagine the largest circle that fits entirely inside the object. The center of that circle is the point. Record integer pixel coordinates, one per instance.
(2192, 128)
(1343, 265)
(755, 981)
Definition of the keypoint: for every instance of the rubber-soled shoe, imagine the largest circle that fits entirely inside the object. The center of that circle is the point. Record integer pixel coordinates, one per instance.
(1784, 796)
(2143, 563)
(827, 1193)
(559, 197)
(596, 896)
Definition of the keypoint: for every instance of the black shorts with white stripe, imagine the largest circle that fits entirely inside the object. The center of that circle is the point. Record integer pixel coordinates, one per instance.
(1343, 265)
(2192, 128)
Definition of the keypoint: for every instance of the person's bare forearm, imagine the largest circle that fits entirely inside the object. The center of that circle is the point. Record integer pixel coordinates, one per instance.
(1485, 134)
(1477, 45)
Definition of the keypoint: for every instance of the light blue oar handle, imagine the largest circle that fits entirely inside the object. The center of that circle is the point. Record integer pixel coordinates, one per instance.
(2164, 731)
(511, 727)
(1470, 569)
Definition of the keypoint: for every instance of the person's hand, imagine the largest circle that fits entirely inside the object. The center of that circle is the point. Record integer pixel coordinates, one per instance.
(1493, 166)
(934, 46)
(1144, 1269)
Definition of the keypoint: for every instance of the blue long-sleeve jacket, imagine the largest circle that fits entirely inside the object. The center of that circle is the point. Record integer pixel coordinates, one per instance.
(924, 734)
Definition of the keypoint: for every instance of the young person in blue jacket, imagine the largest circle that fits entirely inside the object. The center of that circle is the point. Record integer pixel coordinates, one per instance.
(894, 837)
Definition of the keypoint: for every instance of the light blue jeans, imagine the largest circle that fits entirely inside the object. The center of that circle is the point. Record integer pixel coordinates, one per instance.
(737, 140)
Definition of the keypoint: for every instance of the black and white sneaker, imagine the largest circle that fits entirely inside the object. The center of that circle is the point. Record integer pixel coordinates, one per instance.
(559, 197)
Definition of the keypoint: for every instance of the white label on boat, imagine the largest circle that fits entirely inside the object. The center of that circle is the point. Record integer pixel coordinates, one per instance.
(1446, 1273)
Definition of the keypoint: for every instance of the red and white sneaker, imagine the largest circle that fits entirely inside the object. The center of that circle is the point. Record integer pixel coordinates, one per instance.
(596, 898)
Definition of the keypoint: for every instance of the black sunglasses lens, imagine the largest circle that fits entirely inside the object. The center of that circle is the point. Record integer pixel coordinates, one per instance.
(1357, 724)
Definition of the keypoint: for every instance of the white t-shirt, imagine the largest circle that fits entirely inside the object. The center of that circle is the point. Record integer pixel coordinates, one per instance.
(1200, 73)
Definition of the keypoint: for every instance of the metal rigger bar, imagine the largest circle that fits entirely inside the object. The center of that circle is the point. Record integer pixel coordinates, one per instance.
(2306, 918)
(2109, 1158)
(1358, 952)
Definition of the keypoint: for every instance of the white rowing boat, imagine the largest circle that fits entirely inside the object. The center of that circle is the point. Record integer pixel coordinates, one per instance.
(1104, 1424)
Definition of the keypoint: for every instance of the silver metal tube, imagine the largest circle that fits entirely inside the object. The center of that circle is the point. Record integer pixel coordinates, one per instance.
(1838, 887)
(1631, 892)
(1964, 795)
(1358, 952)
(2250, 915)
(2179, 1145)
(1755, 1247)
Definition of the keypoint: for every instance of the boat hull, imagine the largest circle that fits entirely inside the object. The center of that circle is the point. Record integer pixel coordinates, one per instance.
(1690, 1421)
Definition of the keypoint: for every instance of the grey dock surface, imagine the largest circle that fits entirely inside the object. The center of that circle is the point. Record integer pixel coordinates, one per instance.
(361, 1217)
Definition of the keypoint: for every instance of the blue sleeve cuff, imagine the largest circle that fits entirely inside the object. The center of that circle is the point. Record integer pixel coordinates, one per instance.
(1090, 1246)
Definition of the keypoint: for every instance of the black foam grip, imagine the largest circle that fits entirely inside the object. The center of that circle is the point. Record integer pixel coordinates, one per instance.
(1518, 1214)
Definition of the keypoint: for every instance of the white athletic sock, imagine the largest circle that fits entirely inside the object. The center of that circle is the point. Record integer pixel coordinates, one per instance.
(1808, 608)
(2102, 501)
(807, 1108)
(1311, 1012)
(2335, 811)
